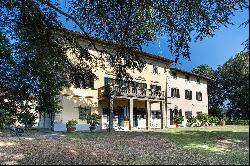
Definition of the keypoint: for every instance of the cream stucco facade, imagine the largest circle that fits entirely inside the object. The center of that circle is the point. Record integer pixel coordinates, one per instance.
(141, 104)
(177, 79)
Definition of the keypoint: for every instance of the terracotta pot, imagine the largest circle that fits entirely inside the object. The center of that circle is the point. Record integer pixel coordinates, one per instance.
(92, 128)
(71, 129)
(223, 123)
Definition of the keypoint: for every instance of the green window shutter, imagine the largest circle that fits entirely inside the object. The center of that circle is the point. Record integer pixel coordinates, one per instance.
(106, 81)
(180, 112)
(145, 86)
(91, 84)
(120, 83)
(136, 84)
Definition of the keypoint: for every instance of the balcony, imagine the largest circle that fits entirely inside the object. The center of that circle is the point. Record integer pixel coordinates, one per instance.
(152, 94)
(130, 91)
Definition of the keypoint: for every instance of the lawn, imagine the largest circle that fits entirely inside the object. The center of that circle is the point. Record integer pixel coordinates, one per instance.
(203, 145)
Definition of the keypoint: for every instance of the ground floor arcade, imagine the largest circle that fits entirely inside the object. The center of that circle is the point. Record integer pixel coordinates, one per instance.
(129, 114)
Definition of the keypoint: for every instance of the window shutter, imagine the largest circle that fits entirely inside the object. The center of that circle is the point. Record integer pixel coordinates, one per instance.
(180, 112)
(172, 92)
(171, 116)
(190, 95)
(91, 84)
(136, 84)
(197, 98)
(145, 85)
(106, 81)
(178, 93)
(186, 94)
(119, 83)
(201, 96)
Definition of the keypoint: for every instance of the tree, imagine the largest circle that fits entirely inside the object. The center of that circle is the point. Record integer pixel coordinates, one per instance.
(215, 99)
(39, 36)
(235, 84)
(14, 90)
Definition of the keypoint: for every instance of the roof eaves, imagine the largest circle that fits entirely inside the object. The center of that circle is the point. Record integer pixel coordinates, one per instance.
(189, 73)
(145, 54)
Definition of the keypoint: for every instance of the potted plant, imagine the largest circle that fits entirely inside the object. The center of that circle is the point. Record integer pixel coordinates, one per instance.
(178, 120)
(222, 122)
(191, 121)
(71, 125)
(93, 120)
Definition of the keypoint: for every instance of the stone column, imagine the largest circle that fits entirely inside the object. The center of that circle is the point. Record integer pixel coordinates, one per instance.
(131, 106)
(148, 120)
(163, 114)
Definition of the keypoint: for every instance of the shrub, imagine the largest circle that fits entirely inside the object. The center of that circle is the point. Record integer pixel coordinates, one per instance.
(237, 122)
(214, 119)
(192, 120)
(93, 119)
(71, 123)
(203, 118)
(178, 119)
(27, 118)
(7, 118)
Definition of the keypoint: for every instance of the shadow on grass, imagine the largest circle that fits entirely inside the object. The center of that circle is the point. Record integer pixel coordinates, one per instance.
(215, 141)
(149, 147)
(230, 146)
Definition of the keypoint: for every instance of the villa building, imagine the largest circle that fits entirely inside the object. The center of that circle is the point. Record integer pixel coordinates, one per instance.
(187, 95)
(149, 101)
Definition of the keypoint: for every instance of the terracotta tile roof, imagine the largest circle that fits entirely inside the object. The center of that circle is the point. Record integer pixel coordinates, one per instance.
(144, 54)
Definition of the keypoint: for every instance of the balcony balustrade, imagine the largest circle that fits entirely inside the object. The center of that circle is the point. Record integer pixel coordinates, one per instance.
(131, 91)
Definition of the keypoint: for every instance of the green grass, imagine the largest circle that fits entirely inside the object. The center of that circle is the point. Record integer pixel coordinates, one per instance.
(229, 143)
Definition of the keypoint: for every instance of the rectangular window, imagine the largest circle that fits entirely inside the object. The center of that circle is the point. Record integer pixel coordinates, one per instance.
(174, 74)
(155, 87)
(188, 94)
(188, 114)
(83, 111)
(156, 115)
(88, 83)
(199, 96)
(187, 78)
(198, 81)
(175, 92)
(155, 69)
(198, 113)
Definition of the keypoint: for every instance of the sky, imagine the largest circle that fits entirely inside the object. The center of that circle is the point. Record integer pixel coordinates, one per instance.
(212, 51)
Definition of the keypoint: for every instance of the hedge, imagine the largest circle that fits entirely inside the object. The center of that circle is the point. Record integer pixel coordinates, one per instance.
(236, 122)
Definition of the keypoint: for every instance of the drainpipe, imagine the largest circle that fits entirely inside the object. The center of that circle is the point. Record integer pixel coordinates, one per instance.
(166, 99)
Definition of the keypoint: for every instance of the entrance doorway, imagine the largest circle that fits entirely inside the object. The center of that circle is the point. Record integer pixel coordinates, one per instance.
(139, 117)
